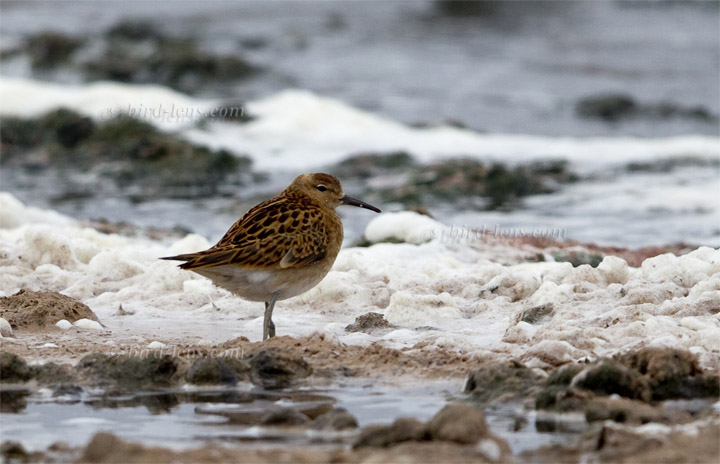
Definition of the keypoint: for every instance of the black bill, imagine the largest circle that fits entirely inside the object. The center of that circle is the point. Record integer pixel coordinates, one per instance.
(346, 200)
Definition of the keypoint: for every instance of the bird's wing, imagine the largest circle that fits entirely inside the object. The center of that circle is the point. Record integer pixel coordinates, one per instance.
(271, 235)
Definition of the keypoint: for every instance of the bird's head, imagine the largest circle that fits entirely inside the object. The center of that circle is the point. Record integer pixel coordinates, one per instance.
(326, 189)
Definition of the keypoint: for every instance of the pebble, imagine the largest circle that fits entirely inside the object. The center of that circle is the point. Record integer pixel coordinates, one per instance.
(64, 324)
(88, 324)
(5, 328)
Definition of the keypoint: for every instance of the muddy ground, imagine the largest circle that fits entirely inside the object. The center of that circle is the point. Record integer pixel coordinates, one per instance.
(651, 405)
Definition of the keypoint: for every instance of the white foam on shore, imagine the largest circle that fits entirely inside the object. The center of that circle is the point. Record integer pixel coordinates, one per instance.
(447, 295)
(100, 100)
(298, 130)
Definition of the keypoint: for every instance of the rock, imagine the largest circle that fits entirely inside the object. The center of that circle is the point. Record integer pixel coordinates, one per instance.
(555, 393)
(537, 313)
(67, 390)
(337, 419)
(87, 324)
(13, 451)
(578, 257)
(273, 368)
(284, 417)
(50, 49)
(609, 377)
(369, 322)
(139, 52)
(631, 412)
(501, 382)
(314, 409)
(128, 371)
(52, 374)
(462, 9)
(101, 446)
(609, 442)
(459, 423)
(5, 328)
(124, 148)
(64, 324)
(367, 165)
(13, 400)
(134, 30)
(216, 371)
(403, 429)
(68, 127)
(615, 107)
(13, 368)
(472, 183)
(42, 310)
(610, 107)
(672, 373)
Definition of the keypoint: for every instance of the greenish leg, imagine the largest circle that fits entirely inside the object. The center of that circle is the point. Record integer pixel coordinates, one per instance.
(268, 326)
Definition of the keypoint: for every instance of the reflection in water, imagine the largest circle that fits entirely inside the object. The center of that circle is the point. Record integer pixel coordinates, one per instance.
(13, 400)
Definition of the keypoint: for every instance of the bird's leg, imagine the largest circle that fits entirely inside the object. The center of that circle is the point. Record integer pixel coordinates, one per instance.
(268, 326)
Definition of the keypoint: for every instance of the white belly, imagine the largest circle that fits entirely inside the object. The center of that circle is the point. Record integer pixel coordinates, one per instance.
(257, 285)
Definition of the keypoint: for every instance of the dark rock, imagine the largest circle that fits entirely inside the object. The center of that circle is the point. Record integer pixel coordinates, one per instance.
(13, 451)
(611, 377)
(537, 313)
(611, 107)
(563, 399)
(337, 419)
(672, 373)
(564, 375)
(670, 164)
(13, 368)
(68, 127)
(217, 371)
(12, 400)
(475, 184)
(128, 150)
(27, 309)
(314, 409)
(67, 390)
(631, 412)
(369, 322)
(273, 368)
(19, 135)
(459, 423)
(367, 165)
(284, 417)
(52, 374)
(615, 107)
(134, 30)
(50, 49)
(139, 52)
(467, 8)
(578, 257)
(128, 371)
(382, 436)
(555, 393)
(501, 382)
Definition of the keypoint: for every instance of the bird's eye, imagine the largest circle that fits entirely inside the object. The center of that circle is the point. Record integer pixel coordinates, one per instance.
(321, 188)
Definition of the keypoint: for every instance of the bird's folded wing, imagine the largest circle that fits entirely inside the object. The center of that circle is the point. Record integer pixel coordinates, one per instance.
(304, 246)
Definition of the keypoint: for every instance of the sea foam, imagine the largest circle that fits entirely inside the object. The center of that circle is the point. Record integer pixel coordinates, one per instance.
(450, 295)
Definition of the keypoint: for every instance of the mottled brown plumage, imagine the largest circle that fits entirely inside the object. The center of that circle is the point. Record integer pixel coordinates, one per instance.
(280, 248)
